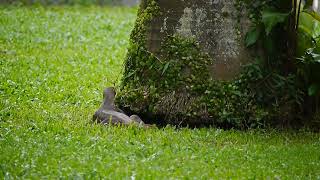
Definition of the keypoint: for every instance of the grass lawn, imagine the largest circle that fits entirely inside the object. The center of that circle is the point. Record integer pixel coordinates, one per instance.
(54, 64)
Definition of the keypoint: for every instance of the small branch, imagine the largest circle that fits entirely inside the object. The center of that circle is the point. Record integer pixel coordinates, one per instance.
(298, 17)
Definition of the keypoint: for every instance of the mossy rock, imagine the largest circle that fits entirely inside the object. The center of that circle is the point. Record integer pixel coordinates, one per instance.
(186, 64)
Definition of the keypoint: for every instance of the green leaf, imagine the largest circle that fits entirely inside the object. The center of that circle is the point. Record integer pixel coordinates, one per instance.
(315, 15)
(165, 67)
(313, 89)
(309, 24)
(271, 18)
(304, 43)
(252, 36)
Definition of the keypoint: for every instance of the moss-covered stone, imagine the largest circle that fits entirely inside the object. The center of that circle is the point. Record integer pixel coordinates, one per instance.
(171, 75)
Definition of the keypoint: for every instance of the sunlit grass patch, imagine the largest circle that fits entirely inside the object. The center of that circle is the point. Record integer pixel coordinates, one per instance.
(54, 64)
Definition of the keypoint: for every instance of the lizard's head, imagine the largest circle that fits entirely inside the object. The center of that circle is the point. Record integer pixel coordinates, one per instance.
(109, 94)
